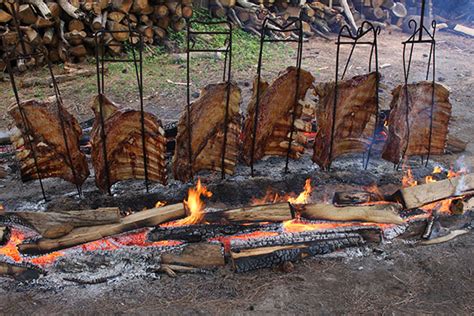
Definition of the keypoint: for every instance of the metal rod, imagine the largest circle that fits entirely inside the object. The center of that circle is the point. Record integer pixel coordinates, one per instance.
(226, 117)
(188, 101)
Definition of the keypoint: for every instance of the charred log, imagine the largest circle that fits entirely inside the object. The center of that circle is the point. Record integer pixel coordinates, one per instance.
(202, 232)
(200, 255)
(77, 236)
(4, 235)
(19, 271)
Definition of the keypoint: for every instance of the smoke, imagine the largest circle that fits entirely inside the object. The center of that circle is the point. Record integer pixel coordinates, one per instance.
(464, 168)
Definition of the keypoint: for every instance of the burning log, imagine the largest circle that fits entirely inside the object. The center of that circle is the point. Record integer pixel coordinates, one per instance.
(412, 138)
(251, 254)
(275, 116)
(124, 146)
(20, 272)
(453, 234)
(355, 197)
(77, 236)
(201, 255)
(207, 120)
(419, 195)
(57, 224)
(376, 213)
(4, 235)
(201, 232)
(44, 135)
(277, 212)
(354, 120)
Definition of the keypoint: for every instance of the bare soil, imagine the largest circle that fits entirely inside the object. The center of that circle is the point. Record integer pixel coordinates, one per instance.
(398, 278)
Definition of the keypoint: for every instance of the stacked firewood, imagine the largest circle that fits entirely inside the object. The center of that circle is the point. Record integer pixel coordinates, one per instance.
(66, 27)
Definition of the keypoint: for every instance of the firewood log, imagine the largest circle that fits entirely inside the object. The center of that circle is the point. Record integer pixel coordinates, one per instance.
(57, 224)
(201, 255)
(54, 8)
(26, 14)
(4, 16)
(187, 12)
(122, 5)
(375, 213)
(277, 212)
(75, 25)
(151, 217)
(178, 24)
(71, 10)
(42, 7)
(116, 16)
(419, 195)
(142, 7)
(161, 10)
(19, 272)
(123, 32)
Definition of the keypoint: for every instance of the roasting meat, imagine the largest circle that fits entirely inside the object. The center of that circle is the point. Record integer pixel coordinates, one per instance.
(415, 138)
(49, 144)
(124, 145)
(275, 116)
(207, 129)
(356, 113)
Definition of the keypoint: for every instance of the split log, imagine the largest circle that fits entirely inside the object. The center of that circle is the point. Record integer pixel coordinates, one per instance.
(42, 7)
(57, 224)
(122, 32)
(266, 252)
(71, 10)
(202, 232)
(201, 255)
(5, 17)
(20, 272)
(375, 213)
(355, 197)
(455, 145)
(277, 212)
(4, 235)
(453, 234)
(419, 195)
(26, 14)
(77, 236)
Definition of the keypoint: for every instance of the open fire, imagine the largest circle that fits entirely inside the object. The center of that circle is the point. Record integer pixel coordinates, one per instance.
(263, 231)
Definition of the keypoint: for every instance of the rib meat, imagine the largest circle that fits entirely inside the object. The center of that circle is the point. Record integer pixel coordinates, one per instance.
(415, 138)
(124, 145)
(275, 116)
(48, 142)
(356, 114)
(207, 129)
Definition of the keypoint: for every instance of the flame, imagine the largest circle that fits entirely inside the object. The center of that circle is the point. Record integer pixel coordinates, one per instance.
(269, 198)
(226, 240)
(408, 180)
(430, 179)
(303, 197)
(194, 205)
(160, 204)
(437, 169)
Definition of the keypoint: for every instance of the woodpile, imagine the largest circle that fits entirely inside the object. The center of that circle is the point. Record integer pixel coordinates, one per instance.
(66, 27)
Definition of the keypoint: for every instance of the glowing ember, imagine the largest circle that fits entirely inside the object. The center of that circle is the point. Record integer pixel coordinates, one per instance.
(304, 196)
(430, 179)
(194, 205)
(298, 226)
(226, 240)
(10, 250)
(437, 169)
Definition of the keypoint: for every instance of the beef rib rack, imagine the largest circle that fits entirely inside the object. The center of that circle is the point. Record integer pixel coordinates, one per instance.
(124, 147)
(355, 118)
(275, 117)
(413, 140)
(207, 116)
(47, 139)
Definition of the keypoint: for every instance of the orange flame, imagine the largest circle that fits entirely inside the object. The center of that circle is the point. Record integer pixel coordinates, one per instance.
(160, 204)
(437, 169)
(194, 205)
(408, 180)
(303, 197)
(298, 226)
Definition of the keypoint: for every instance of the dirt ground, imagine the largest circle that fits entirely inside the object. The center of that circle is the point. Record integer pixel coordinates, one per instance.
(398, 278)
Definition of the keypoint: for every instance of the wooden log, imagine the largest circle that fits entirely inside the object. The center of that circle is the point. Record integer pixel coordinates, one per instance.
(174, 8)
(163, 22)
(187, 12)
(455, 145)
(122, 5)
(116, 16)
(71, 10)
(202, 232)
(26, 14)
(77, 236)
(75, 37)
(277, 212)
(201, 255)
(266, 252)
(57, 224)
(42, 7)
(355, 197)
(43, 23)
(75, 25)
(54, 8)
(417, 196)
(375, 213)
(4, 235)
(142, 7)
(159, 32)
(122, 35)
(161, 10)
(5, 17)
(178, 24)
(77, 51)
(19, 272)
(97, 22)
